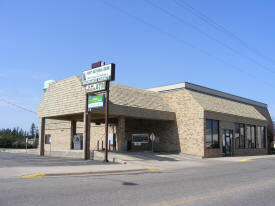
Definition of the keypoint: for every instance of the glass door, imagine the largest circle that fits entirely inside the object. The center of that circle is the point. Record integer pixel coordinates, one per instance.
(227, 142)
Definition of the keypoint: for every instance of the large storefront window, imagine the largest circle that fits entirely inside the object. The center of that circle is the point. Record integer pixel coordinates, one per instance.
(261, 137)
(239, 136)
(251, 136)
(212, 134)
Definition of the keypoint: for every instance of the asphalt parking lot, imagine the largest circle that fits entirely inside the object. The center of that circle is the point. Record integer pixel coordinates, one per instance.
(29, 160)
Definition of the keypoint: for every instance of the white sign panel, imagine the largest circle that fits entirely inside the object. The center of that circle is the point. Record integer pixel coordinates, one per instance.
(99, 74)
(111, 138)
(137, 143)
(77, 142)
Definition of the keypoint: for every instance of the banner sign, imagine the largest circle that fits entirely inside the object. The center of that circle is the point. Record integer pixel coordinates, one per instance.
(99, 74)
(100, 86)
(96, 101)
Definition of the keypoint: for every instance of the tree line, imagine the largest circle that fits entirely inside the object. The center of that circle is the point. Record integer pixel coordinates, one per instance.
(16, 137)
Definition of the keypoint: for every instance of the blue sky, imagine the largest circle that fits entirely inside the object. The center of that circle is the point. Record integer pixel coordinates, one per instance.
(57, 39)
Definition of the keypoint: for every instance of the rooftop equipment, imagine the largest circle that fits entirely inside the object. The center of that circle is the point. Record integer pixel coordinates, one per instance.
(47, 84)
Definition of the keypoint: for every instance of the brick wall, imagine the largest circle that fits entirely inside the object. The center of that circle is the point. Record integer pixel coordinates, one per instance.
(189, 122)
(60, 132)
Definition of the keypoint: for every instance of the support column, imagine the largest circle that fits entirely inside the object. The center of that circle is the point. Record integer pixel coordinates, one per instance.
(86, 135)
(42, 136)
(121, 135)
(73, 132)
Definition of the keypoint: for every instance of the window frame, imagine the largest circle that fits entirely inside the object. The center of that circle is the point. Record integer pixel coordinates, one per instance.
(251, 137)
(212, 133)
(261, 130)
(244, 135)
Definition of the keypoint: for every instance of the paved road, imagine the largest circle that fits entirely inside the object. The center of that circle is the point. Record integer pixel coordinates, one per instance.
(213, 183)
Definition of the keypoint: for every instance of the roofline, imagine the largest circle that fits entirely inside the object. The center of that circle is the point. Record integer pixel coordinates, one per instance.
(206, 90)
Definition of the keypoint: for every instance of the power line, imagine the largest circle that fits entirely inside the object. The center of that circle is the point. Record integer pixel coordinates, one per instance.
(179, 19)
(17, 106)
(183, 4)
(181, 40)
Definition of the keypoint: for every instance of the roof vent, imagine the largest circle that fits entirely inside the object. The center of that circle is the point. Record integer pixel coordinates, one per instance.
(47, 84)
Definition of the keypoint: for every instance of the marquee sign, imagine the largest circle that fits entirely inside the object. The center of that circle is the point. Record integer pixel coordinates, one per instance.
(100, 86)
(99, 74)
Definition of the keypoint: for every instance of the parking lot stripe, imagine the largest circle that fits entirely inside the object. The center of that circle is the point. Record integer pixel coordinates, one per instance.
(34, 175)
(246, 160)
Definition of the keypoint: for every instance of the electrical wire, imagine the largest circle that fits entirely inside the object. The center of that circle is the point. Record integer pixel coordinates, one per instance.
(183, 4)
(17, 106)
(181, 20)
(183, 41)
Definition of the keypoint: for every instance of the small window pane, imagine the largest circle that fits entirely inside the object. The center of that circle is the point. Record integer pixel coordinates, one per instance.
(242, 136)
(263, 137)
(237, 135)
(260, 137)
(248, 134)
(253, 137)
(212, 134)
(208, 133)
(215, 143)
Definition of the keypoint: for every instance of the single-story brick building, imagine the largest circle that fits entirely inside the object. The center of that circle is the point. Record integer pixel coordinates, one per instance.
(182, 117)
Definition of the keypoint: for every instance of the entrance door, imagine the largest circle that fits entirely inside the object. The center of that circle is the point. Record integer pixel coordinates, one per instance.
(227, 141)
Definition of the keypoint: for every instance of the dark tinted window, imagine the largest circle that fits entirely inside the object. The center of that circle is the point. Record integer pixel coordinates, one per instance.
(239, 136)
(212, 134)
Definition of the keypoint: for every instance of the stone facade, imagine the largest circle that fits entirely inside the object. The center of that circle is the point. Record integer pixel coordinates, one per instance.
(189, 123)
(60, 132)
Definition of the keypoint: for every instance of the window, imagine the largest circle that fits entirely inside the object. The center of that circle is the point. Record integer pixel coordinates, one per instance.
(239, 136)
(212, 134)
(261, 137)
(251, 136)
(140, 138)
(47, 139)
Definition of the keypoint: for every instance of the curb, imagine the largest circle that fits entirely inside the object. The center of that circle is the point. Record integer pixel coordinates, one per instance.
(36, 175)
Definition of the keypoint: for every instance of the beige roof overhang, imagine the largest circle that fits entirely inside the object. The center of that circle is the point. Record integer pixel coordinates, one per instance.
(227, 107)
(67, 98)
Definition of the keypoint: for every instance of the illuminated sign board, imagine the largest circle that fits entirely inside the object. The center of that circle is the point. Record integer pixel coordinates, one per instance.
(96, 101)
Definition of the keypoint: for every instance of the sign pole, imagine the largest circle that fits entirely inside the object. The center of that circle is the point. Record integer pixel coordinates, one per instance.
(106, 120)
(94, 80)
(86, 131)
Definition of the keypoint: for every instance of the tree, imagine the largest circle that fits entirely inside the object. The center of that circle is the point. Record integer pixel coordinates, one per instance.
(15, 138)
(32, 130)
